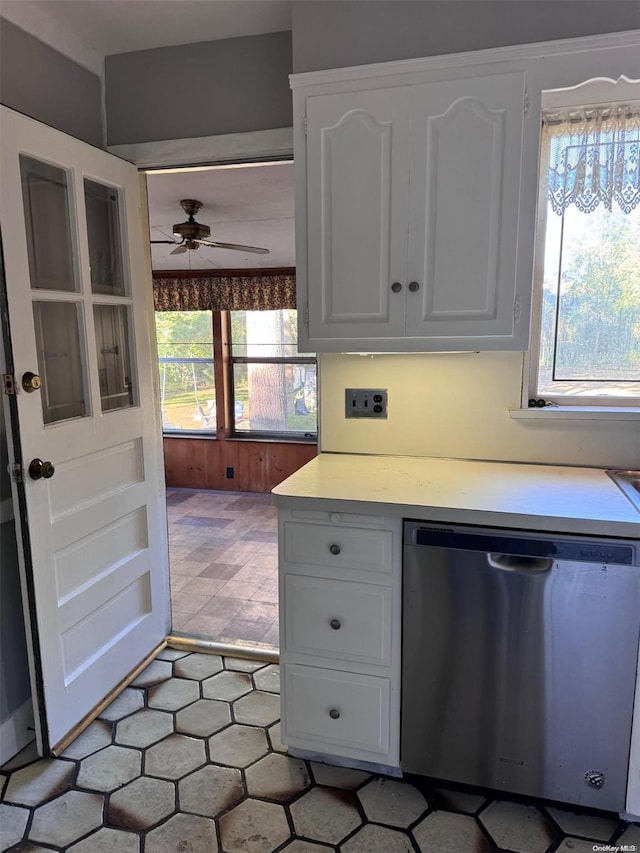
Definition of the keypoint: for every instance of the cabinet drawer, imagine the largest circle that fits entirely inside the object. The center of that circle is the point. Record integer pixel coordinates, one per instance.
(338, 547)
(336, 710)
(338, 619)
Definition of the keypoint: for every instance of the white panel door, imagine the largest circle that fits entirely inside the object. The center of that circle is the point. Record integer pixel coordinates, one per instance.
(92, 502)
(466, 144)
(357, 195)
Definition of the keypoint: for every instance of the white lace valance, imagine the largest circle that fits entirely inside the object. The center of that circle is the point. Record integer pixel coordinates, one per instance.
(594, 157)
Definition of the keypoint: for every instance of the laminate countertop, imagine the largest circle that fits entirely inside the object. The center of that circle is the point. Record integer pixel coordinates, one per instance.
(499, 494)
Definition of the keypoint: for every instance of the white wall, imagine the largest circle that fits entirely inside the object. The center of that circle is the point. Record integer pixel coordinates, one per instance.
(457, 405)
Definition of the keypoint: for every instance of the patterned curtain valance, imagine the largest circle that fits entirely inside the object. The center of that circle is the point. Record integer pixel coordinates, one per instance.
(594, 157)
(226, 290)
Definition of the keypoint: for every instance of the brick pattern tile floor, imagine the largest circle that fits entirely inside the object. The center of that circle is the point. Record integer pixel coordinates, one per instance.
(223, 550)
(189, 758)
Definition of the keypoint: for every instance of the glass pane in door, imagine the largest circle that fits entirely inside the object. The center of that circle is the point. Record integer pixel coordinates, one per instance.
(114, 356)
(61, 363)
(47, 213)
(105, 239)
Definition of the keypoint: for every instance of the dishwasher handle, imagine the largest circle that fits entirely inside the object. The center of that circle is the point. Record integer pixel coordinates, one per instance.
(519, 563)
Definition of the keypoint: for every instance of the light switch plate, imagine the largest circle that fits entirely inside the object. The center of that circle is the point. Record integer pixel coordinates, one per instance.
(365, 403)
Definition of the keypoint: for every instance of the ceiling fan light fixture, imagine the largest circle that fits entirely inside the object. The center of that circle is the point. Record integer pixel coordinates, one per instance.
(192, 234)
(191, 231)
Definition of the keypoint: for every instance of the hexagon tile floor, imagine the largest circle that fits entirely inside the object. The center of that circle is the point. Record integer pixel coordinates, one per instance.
(188, 758)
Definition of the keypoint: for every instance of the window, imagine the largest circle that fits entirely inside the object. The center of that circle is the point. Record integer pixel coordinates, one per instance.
(274, 388)
(271, 388)
(187, 380)
(586, 322)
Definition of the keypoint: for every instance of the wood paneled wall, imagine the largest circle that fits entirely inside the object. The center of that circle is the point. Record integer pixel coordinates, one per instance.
(201, 463)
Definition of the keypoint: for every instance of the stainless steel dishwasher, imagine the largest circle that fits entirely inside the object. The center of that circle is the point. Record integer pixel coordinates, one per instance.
(519, 660)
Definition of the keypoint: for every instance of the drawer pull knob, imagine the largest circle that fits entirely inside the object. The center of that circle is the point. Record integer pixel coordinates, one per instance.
(335, 549)
(334, 714)
(336, 624)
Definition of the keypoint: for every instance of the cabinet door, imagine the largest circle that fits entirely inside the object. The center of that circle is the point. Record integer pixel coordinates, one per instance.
(341, 713)
(337, 547)
(357, 200)
(466, 142)
(337, 619)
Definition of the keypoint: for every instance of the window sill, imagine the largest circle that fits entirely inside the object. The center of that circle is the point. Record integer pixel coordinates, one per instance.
(578, 413)
(265, 439)
(273, 439)
(209, 436)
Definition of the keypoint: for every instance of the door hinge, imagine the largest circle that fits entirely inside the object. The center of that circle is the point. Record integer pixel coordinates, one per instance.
(15, 471)
(304, 125)
(8, 384)
(306, 315)
(527, 104)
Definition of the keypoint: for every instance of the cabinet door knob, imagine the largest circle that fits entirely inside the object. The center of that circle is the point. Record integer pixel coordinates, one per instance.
(413, 286)
(396, 287)
(336, 624)
(335, 549)
(334, 714)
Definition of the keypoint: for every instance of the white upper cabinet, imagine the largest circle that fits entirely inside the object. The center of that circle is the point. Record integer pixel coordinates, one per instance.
(466, 142)
(358, 181)
(408, 210)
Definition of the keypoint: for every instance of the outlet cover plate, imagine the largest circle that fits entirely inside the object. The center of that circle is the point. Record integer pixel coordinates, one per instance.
(365, 403)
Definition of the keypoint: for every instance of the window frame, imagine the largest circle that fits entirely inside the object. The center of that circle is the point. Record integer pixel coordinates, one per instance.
(223, 362)
(210, 433)
(261, 435)
(592, 93)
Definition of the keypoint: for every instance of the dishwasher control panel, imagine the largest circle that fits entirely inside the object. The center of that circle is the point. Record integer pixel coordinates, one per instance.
(580, 549)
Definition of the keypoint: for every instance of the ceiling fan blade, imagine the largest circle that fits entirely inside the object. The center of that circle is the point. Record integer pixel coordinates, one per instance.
(179, 250)
(170, 242)
(235, 246)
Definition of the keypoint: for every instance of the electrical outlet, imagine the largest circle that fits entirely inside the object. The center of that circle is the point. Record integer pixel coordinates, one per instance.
(365, 403)
(230, 473)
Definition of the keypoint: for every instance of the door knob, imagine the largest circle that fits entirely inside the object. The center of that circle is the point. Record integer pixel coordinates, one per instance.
(41, 470)
(413, 286)
(396, 287)
(31, 382)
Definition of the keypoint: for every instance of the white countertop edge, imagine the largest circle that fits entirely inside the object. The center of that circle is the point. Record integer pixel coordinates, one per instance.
(497, 494)
(452, 515)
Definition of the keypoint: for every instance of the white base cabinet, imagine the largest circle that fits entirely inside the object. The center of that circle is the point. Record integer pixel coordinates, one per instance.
(340, 617)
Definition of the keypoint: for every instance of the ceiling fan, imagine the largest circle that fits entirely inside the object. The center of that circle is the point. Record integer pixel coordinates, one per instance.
(192, 234)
